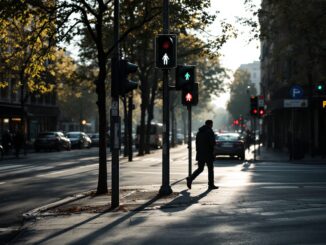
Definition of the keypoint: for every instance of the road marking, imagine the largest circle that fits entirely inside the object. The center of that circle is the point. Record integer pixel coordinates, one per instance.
(66, 170)
(1, 183)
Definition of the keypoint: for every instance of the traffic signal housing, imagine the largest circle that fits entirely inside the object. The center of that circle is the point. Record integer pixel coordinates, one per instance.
(184, 75)
(189, 95)
(166, 51)
(253, 105)
(121, 69)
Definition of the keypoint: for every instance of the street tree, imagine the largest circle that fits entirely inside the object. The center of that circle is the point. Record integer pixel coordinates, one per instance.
(240, 92)
(27, 50)
(70, 18)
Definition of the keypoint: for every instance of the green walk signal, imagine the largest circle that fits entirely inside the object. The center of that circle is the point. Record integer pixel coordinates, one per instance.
(184, 76)
(187, 76)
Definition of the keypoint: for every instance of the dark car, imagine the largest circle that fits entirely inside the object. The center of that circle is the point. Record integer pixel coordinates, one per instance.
(79, 140)
(1, 152)
(95, 139)
(52, 141)
(231, 144)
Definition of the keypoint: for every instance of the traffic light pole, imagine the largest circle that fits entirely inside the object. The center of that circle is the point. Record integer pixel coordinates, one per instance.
(189, 142)
(166, 188)
(130, 108)
(115, 119)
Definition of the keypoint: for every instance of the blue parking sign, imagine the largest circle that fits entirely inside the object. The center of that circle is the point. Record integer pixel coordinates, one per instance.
(296, 92)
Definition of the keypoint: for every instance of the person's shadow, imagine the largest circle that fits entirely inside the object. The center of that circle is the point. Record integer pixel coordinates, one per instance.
(183, 201)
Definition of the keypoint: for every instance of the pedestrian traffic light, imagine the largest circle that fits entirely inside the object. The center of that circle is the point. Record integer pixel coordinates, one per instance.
(190, 95)
(184, 75)
(166, 51)
(254, 105)
(121, 85)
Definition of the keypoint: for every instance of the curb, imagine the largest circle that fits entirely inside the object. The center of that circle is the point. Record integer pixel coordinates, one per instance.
(36, 211)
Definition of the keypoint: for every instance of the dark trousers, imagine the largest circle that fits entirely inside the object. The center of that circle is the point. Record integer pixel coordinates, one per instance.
(210, 167)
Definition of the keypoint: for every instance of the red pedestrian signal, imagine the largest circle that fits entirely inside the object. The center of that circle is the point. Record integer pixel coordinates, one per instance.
(166, 51)
(190, 95)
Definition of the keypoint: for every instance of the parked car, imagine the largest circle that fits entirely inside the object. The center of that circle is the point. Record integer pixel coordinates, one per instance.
(155, 135)
(1, 152)
(79, 140)
(52, 141)
(229, 144)
(95, 139)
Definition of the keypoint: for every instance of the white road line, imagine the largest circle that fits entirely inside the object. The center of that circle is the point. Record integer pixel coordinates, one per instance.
(66, 170)
(1, 183)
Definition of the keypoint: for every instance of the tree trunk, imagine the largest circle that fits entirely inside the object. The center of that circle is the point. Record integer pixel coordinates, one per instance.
(144, 105)
(126, 131)
(101, 103)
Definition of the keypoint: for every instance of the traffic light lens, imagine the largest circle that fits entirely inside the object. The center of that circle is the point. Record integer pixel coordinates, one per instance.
(166, 45)
(188, 97)
(319, 87)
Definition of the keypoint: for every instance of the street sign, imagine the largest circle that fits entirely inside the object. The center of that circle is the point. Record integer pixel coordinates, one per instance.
(295, 103)
(296, 92)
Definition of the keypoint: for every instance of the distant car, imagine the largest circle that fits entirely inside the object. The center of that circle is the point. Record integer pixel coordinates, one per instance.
(231, 144)
(79, 139)
(180, 138)
(95, 139)
(1, 152)
(52, 141)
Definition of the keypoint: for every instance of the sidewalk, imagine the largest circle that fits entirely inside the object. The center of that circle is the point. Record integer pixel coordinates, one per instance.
(270, 155)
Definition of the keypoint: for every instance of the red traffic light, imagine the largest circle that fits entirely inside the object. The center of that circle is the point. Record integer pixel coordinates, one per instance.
(255, 111)
(261, 112)
(236, 122)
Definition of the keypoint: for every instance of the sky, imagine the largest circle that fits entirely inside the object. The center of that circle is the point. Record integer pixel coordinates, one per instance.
(236, 51)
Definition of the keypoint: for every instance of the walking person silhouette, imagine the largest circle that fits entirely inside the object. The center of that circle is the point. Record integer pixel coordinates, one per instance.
(205, 141)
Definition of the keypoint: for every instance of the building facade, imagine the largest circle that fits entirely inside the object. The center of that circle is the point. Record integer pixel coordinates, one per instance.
(254, 70)
(39, 112)
(293, 55)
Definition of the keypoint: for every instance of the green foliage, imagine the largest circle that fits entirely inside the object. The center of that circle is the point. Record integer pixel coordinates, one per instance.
(26, 50)
(240, 92)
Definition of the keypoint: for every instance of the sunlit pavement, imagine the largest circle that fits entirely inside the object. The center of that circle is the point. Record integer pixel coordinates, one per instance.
(258, 202)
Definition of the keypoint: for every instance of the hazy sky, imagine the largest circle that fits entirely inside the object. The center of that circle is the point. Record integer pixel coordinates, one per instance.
(236, 51)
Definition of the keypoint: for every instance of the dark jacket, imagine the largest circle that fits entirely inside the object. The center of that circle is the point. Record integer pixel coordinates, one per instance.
(205, 141)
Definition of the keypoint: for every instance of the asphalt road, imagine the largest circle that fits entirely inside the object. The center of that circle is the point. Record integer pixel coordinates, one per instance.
(270, 187)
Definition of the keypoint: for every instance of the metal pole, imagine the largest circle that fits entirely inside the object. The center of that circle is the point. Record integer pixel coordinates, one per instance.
(189, 142)
(166, 188)
(115, 119)
(254, 138)
(130, 105)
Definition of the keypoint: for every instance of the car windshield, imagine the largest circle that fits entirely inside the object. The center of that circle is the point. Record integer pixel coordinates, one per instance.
(47, 135)
(95, 136)
(73, 135)
(227, 137)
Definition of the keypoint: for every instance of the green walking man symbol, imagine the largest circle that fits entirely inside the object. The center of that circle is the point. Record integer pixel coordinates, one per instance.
(187, 76)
